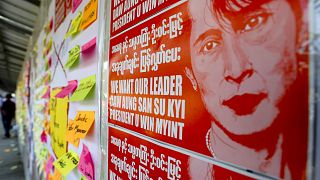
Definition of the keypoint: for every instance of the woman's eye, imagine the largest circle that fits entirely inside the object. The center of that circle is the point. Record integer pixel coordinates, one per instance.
(254, 22)
(208, 46)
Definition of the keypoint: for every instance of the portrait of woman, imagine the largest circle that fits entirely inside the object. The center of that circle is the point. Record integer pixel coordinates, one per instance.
(253, 82)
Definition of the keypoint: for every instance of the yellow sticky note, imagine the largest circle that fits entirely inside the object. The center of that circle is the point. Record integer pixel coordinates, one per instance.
(83, 89)
(75, 24)
(70, 135)
(67, 162)
(52, 107)
(74, 55)
(59, 126)
(83, 122)
(89, 13)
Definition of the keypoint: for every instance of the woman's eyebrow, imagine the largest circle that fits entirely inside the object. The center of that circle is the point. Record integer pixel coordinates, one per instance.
(210, 32)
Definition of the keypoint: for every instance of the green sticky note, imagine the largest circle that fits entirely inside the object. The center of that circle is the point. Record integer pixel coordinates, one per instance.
(67, 162)
(83, 89)
(75, 24)
(83, 178)
(74, 55)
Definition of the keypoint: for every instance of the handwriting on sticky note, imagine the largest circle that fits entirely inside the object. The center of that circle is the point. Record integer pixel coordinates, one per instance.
(74, 55)
(89, 45)
(86, 166)
(75, 5)
(82, 123)
(67, 162)
(83, 89)
(75, 24)
(89, 14)
(70, 135)
(70, 88)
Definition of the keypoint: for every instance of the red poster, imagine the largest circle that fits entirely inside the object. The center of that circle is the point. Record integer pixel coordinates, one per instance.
(222, 78)
(126, 13)
(133, 158)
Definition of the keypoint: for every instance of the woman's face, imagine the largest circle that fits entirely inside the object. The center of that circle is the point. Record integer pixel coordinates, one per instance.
(244, 64)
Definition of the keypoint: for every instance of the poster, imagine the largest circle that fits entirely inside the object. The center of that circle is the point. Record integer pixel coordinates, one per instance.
(131, 157)
(220, 78)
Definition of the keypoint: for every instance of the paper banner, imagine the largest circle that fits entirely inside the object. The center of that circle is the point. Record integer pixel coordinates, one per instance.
(89, 45)
(74, 55)
(83, 89)
(89, 14)
(86, 166)
(75, 5)
(67, 162)
(43, 137)
(70, 88)
(75, 24)
(70, 135)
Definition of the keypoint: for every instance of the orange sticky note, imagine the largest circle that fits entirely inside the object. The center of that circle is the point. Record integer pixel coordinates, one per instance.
(70, 135)
(89, 14)
(57, 175)
(83, 122)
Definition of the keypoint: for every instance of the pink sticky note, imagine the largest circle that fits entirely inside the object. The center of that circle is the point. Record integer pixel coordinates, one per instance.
(75, 5)
(49, 164)
(86, 166)
(43, 137)
(47, 94)
(70, 88)
(89, 45)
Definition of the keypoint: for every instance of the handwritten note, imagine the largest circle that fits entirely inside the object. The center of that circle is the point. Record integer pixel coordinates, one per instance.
(89, 14)
(70, 88)
(67, 162)
(58, 139)
(74, 55)
(86, 166)
(83, 89)
(70, 136)
(89, 45)
(83, 122)
(75, 5)
(75, 24)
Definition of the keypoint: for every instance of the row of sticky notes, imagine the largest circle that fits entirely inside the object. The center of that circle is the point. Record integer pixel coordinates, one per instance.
(67, 162)
(83, 20)
(80, 92)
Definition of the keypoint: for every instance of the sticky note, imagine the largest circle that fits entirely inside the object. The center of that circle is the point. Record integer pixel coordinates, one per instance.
(83, 89)
(89, 45)
(67, 162)
(43, 137)
(89, 14)
(49, 164)
(75, 5)
(70, 135)
(74, 55)
(75, 24)
(83, 178)
(86, 166)
(82, 123)
(47, 93)
(43, 153)
(70, 88)
(58, 134)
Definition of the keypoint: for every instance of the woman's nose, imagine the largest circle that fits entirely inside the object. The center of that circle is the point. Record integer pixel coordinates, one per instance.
(237, 64)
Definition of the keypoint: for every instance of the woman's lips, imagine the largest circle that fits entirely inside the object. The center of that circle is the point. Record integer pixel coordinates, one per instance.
(244, 104)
